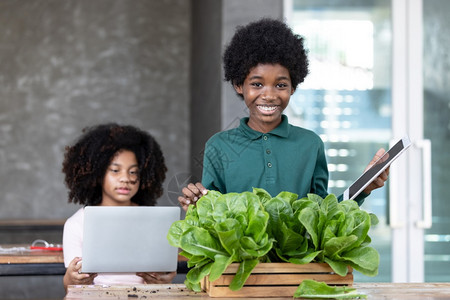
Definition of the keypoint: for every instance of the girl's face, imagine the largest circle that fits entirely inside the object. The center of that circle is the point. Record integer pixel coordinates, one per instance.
(266, 91)
(121, 180)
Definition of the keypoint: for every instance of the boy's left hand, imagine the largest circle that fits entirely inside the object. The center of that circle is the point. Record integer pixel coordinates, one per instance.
(157, 277)
(379, 181)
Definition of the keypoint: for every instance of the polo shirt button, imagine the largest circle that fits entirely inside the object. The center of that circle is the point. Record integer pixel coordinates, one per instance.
(265, 137)
(268, 151)
(269, 165)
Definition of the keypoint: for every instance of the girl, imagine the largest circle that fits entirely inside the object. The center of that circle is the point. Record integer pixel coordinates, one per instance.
(110, 165)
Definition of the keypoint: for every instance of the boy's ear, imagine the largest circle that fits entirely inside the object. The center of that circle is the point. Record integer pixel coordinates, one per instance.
(292, 91)
(238, 89)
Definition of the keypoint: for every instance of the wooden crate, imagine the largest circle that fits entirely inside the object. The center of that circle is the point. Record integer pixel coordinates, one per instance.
(274, 280)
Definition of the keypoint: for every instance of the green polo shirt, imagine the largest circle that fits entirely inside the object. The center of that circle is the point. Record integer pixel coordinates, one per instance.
(288, 158)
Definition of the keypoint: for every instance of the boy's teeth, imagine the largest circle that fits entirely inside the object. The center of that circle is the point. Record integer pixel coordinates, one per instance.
(267, 108)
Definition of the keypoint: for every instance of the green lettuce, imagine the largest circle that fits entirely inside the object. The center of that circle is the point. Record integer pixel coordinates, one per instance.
(248, 228)
(313, 229)
(219, 230)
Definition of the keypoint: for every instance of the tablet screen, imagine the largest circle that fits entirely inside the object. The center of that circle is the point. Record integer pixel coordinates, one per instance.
(382, 163)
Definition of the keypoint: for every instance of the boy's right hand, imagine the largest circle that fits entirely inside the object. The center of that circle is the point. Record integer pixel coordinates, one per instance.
(191, 193)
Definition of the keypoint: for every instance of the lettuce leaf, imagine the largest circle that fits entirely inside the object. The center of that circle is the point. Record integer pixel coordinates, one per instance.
(320, 290)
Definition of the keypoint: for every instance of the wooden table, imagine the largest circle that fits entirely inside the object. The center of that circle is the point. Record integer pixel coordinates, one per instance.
(400, 291)
(35, 262)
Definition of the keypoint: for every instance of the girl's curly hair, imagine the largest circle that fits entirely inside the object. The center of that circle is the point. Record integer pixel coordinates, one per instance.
(86, 162)
(266, 41)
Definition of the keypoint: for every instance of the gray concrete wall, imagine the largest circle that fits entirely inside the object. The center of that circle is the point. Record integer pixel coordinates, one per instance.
(65, 65)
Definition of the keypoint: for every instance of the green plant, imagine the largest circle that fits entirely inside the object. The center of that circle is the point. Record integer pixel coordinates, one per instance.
(249, 228)
(219, 230)
(313, 229)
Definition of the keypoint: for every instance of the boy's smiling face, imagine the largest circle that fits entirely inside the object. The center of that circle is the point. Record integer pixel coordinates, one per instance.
(266, 91)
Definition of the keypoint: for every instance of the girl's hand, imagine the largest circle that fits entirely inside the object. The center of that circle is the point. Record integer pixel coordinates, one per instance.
(157, 277)
(73, 275)
(379, 181)
(191, 193)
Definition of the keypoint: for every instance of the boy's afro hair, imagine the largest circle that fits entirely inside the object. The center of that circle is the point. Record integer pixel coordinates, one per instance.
(266, 41)
(86, 161)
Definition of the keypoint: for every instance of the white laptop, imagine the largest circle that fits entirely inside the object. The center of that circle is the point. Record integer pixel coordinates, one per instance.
(380, 165)
(128, 239)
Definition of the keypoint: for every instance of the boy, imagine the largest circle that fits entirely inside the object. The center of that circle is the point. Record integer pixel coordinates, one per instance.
(265, 61)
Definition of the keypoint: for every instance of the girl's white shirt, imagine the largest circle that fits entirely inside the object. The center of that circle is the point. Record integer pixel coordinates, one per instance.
(73, 246)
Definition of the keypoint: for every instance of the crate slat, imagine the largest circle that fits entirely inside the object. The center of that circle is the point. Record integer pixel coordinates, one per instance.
(284, 268)
(286, 279)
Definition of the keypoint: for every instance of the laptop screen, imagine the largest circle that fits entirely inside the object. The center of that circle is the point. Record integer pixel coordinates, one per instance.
(128, 239)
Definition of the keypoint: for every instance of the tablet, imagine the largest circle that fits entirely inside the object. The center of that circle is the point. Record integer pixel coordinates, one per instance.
(380, 165)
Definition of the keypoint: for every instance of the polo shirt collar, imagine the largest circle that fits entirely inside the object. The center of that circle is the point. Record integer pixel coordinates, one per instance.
(281, 130)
